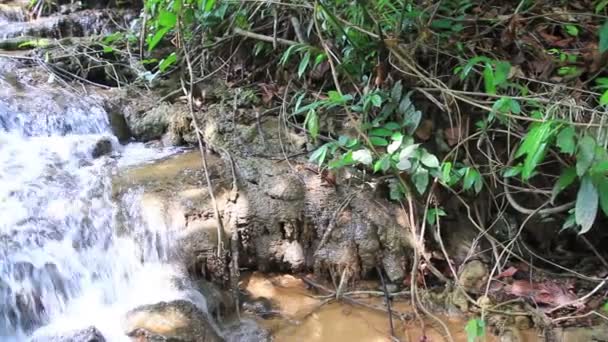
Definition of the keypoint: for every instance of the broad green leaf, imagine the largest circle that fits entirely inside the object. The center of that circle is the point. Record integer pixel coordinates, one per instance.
(319, 155)
(470, 178)
(304, 64)
(488, 79)
(515, 107)
(383, 163)
(363, 156)
(429, 160)
(475, 328)
(377, 141)
(404, 164)
(376, 100)
(502, 73)
(567, 177)
(600, 6)
(405, 106)
(603, 191)
(209, 5)
(572, 30)
(586, 205)
(502, 105)
(421, 180)
(397, 92)
(381, 132)
(603, 45)
(512, 171)
(408, 151)
(532, 160)
(158, 36)
(312, 123)
(565, 140)
(412, 121)
(320, 58)
(604, 98)
(585, 154)
(444, 24)
(167, 19)
(394, 145)
(167, 62)
(446, 172)
(432, 214)
(392, 126)
(344, 160)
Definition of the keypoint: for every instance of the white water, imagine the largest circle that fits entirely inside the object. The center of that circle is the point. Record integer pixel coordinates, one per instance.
(62, 265)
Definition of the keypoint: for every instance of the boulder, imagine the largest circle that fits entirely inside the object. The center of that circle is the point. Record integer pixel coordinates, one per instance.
(473, 276)
(176, 321)
(90, 334)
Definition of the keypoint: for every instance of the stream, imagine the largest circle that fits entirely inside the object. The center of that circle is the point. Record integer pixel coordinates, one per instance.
(62, 265)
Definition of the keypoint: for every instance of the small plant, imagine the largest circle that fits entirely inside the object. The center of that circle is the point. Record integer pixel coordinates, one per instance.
(475, 329)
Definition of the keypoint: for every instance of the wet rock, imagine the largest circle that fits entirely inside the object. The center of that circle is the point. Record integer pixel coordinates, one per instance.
(511, 335)
(150, 124)
(90, 334)
(177, 321)
(247, 331)
(220, 302)
(260, 306)
(119, 125)
(102, 147)
(473, 276)
(83, 23)
(593, 333)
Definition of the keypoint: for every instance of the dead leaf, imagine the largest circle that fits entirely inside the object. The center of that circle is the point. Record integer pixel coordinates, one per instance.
(425, 130)
(509, 272)
(453, 135)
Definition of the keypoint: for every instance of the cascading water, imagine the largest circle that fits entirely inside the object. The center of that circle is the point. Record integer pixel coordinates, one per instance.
(62, 265)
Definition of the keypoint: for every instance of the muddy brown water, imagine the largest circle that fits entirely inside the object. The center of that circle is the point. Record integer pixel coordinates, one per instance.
(303, 317)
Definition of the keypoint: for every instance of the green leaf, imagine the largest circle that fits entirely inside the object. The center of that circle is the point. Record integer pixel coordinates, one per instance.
(502, 73)
(412, 121)
(158, 36)
(502, 105)
(429, 160)
(383, 163)
(604, 99)
(405, 105)
(304, 64)
(421, 180)
(377, 141)
(312, 123)
(432, 215)
(363, 156)
(488, 79)
(167, 62)
(167, 19)
(572, 30)
(603, 45)
(585, 155)
(565, 140)
(605, 307)
(376, 100)
(392, 126)
(600, 6)
(446, 172)
(319, 155)
(475, 328)
(471, 177)
(603, 191)
(320, 58)
(586, 205)
(209, 5)
(512, 171)
(381, 132)
(567, 177)
(394, 145)
(397, 92)
(515, 107)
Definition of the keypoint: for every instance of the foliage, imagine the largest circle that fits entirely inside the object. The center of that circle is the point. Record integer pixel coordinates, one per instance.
(475, 329)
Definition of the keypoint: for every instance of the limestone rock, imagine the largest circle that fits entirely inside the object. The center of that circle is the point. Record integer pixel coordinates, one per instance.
(473, 276)
(177, 321)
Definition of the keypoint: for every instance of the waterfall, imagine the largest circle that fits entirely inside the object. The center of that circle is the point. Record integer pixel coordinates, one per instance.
(63, 266)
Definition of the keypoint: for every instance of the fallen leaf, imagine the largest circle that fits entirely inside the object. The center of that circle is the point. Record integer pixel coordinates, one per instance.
(509, 272)
(453, 135)
(425, 130)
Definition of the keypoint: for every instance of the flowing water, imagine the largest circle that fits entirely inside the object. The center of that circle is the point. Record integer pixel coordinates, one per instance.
(62, 265)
